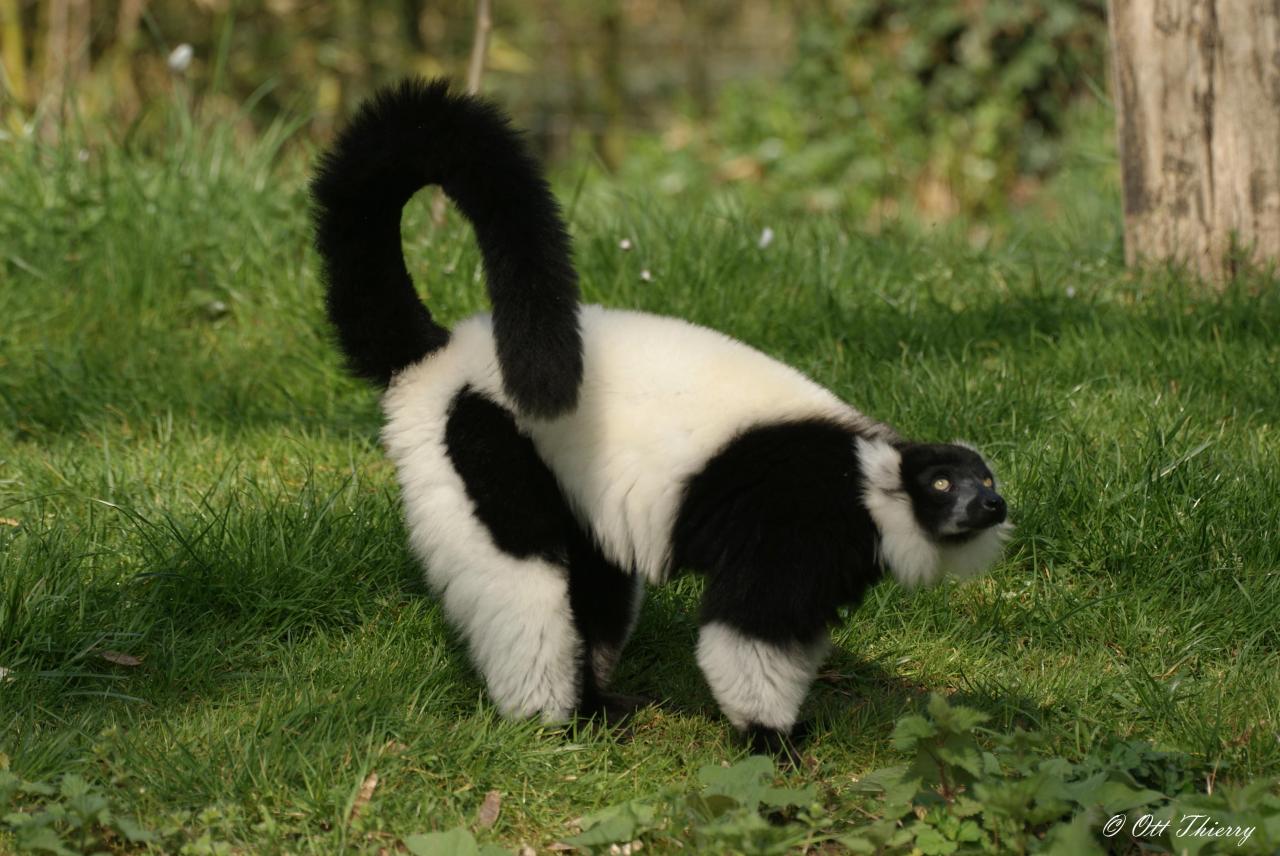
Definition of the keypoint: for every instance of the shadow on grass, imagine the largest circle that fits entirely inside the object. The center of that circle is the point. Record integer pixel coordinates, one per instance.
(293, 600)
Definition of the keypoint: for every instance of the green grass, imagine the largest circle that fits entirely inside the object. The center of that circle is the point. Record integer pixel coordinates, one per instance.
(188, 478)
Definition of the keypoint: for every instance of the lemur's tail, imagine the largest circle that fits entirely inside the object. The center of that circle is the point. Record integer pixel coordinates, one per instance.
(419, 133)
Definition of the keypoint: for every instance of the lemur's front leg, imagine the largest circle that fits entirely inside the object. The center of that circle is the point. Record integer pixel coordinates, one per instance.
(760, 684)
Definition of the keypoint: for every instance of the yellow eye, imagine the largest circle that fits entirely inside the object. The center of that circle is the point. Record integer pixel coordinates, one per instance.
(941, 484)
(987, 483)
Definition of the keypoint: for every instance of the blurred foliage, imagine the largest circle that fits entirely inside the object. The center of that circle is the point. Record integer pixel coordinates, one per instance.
(929, 108)
(975, 92)
(868, 108)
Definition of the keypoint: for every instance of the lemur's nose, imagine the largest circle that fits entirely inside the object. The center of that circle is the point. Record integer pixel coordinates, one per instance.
(987, 509)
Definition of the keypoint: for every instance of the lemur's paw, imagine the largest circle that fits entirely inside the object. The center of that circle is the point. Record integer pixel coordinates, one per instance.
(624, 704)
(784, 746)
(614, 708)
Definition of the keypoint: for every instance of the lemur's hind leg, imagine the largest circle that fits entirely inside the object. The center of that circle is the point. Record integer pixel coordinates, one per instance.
(494, 531)
(544, 613)
(515, 617)
(606, 604)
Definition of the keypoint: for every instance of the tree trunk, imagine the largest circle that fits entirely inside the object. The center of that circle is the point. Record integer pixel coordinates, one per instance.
(475, 73)
(1197, 89)
(610, 139)
(121, 58)
(13, 53)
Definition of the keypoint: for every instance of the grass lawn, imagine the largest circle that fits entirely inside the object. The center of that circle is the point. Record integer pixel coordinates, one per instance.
(187, 479)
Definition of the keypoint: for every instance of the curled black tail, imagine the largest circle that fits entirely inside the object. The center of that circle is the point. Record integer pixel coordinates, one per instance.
(419, 133)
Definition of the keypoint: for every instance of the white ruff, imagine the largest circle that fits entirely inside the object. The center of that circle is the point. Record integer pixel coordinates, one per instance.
(910, 554)
(976, 555)
(755, 682)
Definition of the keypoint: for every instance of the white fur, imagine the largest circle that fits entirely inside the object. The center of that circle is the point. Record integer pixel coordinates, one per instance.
(973, 557)
(659, 397)
(905, 549)
(756, 682)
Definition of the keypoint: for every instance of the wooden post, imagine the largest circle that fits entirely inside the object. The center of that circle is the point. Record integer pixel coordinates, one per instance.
(128, 18)
(610, 139)
(1197, 90)
(475, 72)
(479, 46)
(13, 59)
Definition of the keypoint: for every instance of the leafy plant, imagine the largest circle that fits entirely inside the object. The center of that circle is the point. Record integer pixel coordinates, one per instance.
(964, 789)
(967, 790)
(454, 842)
(69, 819)
(735, 809)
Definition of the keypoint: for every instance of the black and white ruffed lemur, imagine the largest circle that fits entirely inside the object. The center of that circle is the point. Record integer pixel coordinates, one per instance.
(555, 457)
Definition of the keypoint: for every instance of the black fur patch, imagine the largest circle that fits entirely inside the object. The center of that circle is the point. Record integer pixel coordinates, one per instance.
(784, 746)
(419, 133)
(601, 594)
(776, 522)
(514, 494)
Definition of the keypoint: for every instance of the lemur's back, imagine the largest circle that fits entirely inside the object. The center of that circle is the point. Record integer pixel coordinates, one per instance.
(659, 396)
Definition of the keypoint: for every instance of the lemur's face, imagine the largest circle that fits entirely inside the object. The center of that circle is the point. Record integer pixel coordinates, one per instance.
(953, 492)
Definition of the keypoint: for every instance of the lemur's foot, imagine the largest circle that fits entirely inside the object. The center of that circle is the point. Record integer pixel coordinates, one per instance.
(614, 708)
(784, 746)
(626, 704)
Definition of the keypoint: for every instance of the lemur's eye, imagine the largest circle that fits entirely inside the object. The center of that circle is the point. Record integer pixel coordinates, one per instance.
(942, 484)
(987, 482)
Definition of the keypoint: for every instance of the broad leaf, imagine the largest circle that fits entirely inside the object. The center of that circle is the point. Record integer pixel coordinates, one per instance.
(932, 843)
(1072, 839)
(1113, 797)
(745, 781)
(132, 831)
(614, 824)
(910, 730)
(455, 842)
(42, 839)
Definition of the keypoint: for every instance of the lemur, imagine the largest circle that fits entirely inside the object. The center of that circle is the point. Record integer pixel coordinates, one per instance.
(554, 458)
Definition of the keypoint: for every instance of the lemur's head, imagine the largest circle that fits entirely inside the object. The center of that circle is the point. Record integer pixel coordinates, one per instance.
(952, 491)
(936, 507)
